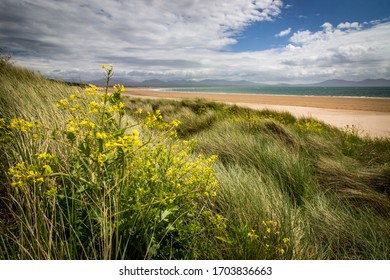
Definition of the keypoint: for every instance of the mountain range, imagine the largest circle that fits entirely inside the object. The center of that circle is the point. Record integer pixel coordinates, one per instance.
(241, 83)
(177, 83)
(364, 83)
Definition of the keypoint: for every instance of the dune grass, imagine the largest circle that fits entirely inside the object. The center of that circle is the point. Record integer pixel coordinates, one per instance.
(328, 189)
(279, 188)
(83, 180)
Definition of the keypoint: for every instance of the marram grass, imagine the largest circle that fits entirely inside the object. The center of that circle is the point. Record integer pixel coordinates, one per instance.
(88, 174)
(96, 183)
(327, 188)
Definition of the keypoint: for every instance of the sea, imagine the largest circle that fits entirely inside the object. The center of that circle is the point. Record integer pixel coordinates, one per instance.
(370, 92)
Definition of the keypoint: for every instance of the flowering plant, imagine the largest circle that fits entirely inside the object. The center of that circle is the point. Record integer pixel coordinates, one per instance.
(108, 185)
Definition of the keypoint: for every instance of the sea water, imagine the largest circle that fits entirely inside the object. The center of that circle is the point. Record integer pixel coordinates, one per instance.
(378, 92)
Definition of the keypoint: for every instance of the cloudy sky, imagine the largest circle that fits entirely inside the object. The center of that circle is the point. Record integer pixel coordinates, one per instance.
(272, 41)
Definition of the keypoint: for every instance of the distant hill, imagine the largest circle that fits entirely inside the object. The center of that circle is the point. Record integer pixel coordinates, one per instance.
(176, 83)
(241, 83)
(364, 83)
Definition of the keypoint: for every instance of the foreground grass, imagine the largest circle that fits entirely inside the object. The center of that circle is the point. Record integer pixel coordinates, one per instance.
(287, 188)
(95, 183)
(328, 189)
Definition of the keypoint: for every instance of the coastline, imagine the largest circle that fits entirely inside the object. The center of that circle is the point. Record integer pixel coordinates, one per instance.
(369, 115)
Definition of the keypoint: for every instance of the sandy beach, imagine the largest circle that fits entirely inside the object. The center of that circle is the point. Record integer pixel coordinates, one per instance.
(370, 115)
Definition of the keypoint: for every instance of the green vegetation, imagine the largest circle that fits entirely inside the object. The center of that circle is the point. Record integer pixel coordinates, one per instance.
(89, 174)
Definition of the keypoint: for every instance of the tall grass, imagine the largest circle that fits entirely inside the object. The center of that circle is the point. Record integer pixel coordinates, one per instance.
(328, 189)
(86, 181)
(122, 178)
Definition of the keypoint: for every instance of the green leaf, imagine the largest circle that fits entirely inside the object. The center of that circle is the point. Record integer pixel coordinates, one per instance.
(224, 239)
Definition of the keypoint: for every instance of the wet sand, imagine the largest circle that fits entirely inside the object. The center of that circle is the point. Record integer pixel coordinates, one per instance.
(370, 115)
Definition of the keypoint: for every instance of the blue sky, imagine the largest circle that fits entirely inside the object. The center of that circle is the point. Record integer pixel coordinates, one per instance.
(308, 15)
(268, 41)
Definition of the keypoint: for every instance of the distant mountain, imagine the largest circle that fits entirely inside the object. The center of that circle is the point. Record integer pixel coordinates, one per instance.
(344, 83)
(113, 81)
(211, 83)
(151, 83)
(185, 83)
(242, 83)
(175, 83)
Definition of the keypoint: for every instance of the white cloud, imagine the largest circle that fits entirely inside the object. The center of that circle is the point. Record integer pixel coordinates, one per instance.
(284, 32)
(328, 27)
(183, 39)
(348, 53)
(349, 25)
(205, 24)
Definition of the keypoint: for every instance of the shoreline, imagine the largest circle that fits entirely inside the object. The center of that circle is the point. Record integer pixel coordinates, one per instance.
(262, 94)
(369, 115)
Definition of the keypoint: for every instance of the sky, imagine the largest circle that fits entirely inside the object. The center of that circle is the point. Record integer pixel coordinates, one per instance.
(266, 41)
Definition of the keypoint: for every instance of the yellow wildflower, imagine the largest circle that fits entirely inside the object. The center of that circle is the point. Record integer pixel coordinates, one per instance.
(93, 107)
(120, 88)
(45, 156)
(175, 123)
(72, 129)
(17, 184)
(91, 90)
(252, 234)
(102, 158)
(21, 125)
(47, 169)
(63, 103)
(101, 135)
(40, 180)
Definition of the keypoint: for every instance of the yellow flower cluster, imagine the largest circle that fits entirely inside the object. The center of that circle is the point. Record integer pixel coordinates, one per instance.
(82, 126)
(309, 125)
(91, 90)
(170, 172)
(46, 157)
(124, 142)
(120, 108)
(22, 174)
(102, 158)
(104, 67)
(70, 104)
(119, 88)
(22, 125)
(272, 238)
(252, 234)
(93, 107)
(18, 124)
(154, 120)
(63, 103)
